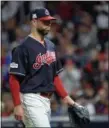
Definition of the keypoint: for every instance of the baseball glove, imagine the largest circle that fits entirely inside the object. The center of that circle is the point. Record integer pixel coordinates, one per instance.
(78, 115)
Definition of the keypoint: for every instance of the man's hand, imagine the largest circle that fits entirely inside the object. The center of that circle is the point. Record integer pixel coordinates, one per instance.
(18, 112)
(79, 116)
(68, 100)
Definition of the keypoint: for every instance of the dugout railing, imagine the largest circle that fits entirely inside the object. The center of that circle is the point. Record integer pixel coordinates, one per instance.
(97, 121)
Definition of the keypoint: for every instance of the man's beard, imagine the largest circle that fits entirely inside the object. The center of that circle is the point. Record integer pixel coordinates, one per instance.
(42, 32)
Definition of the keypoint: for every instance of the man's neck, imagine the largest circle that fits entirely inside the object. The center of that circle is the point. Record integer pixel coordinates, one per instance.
(37, 36)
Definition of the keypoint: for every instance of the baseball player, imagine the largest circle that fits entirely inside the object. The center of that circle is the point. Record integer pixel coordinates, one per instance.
(34, 73)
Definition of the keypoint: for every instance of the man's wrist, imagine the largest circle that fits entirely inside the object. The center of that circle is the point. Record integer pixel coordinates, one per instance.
(68, 100)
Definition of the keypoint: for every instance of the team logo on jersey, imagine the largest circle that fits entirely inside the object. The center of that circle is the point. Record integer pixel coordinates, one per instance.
(46, 58)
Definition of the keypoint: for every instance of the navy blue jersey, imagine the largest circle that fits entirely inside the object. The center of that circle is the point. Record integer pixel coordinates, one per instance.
(37, 63)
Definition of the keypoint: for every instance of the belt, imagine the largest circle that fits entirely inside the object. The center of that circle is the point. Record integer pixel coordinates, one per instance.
(46, 94)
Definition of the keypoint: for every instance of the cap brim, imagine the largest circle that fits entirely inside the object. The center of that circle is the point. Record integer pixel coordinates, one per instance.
(47, 18)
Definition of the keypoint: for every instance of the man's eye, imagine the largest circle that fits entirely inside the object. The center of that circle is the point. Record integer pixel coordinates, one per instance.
(47, 22)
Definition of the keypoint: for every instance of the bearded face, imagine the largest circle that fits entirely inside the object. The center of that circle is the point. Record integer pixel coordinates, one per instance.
(43, 27)
(42, 31)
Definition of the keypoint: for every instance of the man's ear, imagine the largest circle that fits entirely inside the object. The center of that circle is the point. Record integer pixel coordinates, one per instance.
(34, 22)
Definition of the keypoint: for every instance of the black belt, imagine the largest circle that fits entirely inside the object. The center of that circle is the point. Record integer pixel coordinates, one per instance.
(46, 94)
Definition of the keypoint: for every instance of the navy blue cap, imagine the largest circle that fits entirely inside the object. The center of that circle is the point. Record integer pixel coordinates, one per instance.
(41, 14)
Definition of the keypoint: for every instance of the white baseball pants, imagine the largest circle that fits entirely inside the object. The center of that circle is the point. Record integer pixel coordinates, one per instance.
(36, 110)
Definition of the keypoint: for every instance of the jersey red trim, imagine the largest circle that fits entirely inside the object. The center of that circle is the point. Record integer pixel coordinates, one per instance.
(15, 89)
(59, 87)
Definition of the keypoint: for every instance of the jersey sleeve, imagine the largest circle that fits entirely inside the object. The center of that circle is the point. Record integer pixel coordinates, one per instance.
(58, 65)
(18, 63)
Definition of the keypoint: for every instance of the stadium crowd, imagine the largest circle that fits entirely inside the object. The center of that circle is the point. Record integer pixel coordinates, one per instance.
(80, 34)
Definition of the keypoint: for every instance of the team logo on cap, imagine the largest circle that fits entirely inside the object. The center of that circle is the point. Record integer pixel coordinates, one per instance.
(34, 16)
(47, 12)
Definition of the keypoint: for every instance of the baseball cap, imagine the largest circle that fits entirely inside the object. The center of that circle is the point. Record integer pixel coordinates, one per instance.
(41, 14)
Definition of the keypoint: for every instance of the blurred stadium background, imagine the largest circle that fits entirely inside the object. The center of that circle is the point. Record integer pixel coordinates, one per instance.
(81, 35)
